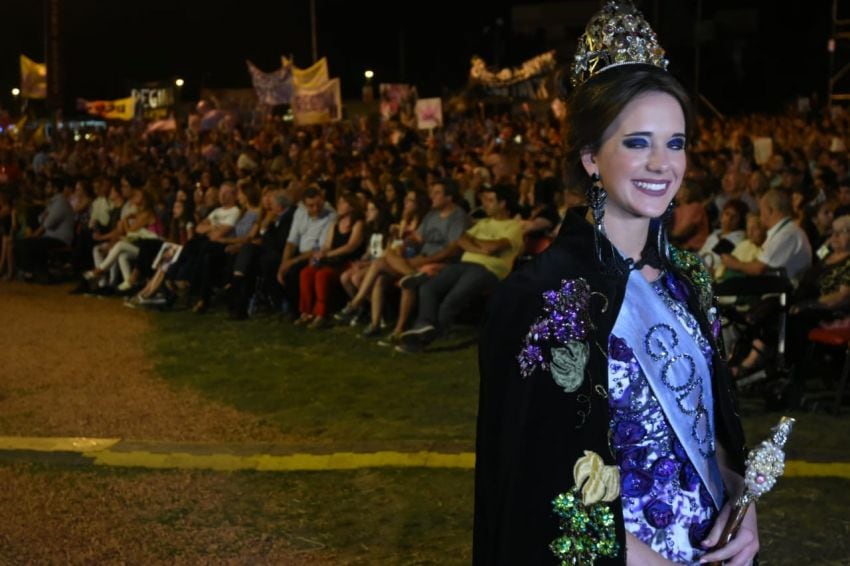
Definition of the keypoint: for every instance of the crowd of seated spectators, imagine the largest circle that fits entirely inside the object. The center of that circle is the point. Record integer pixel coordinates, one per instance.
(379, 224)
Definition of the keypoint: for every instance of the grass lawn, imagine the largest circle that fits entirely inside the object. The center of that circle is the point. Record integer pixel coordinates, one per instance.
(359, 517)
(324, 386)
(333, 387)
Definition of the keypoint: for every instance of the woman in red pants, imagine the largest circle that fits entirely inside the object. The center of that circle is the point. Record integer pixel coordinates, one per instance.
(343, 242)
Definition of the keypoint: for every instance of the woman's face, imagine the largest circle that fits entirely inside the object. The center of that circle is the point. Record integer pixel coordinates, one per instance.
(824, 218)
(410, 203)
(729, 220)
(178, 208)
(198, 196)
(755, 231)
(840, 238)
(371, 212)
(342, 207)
(729, 182)
(389, 192)
(755, 181)
(642, 158)
(138, 197)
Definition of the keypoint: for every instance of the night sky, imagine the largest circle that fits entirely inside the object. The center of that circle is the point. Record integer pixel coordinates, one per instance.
(752, 59)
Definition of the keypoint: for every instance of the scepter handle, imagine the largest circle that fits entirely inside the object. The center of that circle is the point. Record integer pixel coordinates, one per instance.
(733, 523)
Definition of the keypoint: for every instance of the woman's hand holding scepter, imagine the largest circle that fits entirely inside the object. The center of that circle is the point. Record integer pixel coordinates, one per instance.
(765, 463)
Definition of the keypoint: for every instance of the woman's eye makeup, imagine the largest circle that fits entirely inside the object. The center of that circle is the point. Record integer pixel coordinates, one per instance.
(676, 143)
(636, 142)
(640, 142)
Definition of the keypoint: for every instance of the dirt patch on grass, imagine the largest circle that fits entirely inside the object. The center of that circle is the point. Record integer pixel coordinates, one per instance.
(77, 366)
(100, 517)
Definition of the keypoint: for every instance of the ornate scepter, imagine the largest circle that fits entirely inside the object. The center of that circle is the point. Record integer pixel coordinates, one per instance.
(765, 463)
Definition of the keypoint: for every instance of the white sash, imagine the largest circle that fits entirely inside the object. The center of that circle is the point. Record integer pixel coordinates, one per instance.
(677, 372)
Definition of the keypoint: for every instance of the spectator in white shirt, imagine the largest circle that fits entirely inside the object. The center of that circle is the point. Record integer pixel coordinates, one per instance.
(307, 235)
(786, 245)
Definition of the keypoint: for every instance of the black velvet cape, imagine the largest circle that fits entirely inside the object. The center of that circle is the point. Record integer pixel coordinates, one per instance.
(531, 432)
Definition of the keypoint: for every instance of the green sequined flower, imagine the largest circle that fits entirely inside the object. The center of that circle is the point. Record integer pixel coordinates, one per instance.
(693, 268)
(588, 530)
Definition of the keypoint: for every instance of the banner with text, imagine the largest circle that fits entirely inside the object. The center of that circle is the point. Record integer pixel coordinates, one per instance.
(33, 78)
(317, 105)
(121, 109)
(156, 99)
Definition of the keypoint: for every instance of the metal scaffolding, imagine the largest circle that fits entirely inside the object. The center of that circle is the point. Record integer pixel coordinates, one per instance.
(840, 34)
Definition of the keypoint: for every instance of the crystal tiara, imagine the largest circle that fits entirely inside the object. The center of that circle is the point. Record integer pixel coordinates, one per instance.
(617, 35)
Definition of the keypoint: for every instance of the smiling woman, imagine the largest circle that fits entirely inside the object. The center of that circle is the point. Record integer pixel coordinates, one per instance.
(607, 433)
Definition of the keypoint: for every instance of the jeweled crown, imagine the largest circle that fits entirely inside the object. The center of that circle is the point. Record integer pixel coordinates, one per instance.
(617, 35)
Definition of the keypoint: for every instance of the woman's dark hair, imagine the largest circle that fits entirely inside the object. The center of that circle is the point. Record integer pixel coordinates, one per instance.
(252, 194)
(356, 205)
(381, 224)
(423, 203)
(596, 104)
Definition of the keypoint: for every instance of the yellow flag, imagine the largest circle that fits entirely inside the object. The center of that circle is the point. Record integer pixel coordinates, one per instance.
(121, 109)
(312, 77)
(33, 78)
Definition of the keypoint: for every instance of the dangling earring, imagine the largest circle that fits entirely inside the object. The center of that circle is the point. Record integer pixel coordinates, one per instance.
(596, 197)
(662, 230)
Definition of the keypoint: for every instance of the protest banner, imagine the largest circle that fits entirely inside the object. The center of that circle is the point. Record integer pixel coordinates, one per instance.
(156, 99)
(120, 109)
(272, 89)
(429, 113)
(314, 76)
(396, 99)
(531, 80)
(317, 105)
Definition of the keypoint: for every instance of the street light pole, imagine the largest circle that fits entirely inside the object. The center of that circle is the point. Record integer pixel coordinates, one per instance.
(697, 40)
(313, 30)
(831, 49)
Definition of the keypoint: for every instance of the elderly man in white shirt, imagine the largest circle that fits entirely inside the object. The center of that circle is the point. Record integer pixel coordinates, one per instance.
(786, 246)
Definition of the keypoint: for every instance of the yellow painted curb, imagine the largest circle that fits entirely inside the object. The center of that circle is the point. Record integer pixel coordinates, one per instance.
(287, 463)
(58, 444)
(803, 469)
(99, 450)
